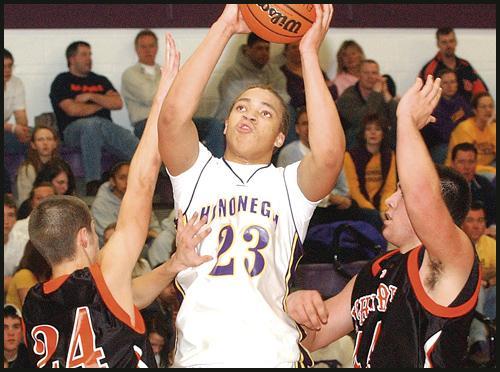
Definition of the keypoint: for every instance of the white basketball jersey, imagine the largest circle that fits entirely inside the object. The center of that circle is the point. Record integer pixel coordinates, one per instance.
(233, 307)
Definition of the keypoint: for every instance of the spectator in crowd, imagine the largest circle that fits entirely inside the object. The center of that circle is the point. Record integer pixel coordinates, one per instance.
(82, 102)
(39, 191)
(32, 269)
(368, 96)
(16, 134)
(294, 79)
(464, 161)
(142, 265)
(338, 205)
(469, 82)
(452, 109)
(59, 173)
(107, 203)
(161, 334)
(349, 57)
(139, 84)
(12, 249)
(43, 147)
(161, 247)
(19, 235)
(370, 167)
(14, 350)
(140, 81)
(481, 130)
(475, 228)
(251, 67)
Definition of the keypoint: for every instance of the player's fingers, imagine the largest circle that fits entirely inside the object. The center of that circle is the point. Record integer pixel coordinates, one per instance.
(312, 315)
(200, 223)
(321, 309)
(199, 236)
(427, 88)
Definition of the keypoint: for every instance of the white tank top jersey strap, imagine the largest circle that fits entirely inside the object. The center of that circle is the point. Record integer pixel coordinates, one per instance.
(233, 307)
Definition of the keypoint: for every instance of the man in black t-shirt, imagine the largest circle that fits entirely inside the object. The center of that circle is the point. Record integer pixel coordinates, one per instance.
(82, 102)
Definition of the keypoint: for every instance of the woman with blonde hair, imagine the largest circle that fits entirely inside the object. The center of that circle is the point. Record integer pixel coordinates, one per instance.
(349, 57)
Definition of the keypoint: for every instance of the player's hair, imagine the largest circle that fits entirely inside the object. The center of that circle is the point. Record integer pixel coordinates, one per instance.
(54, 225)
(464, 146)
(455, 192)
(285, 117)
(145, 32)
(72, 49)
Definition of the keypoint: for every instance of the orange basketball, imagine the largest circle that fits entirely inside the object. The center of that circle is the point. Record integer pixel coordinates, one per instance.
(279, 23)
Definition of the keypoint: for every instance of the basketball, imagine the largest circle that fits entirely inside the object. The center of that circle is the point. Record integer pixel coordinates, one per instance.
(279, 23)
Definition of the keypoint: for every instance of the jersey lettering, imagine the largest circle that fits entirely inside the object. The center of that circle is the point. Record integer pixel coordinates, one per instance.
(259, 239)
(47, 344)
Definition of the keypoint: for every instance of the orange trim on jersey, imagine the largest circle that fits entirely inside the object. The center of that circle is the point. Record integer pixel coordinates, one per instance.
(427, 302)
(54, 284)
(112, 305)
(376, 265)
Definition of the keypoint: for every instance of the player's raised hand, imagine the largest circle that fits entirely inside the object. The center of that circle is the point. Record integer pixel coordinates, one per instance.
(170, 67)
(307, 308)
(189, 235)
(312, 39)
(419, 102)
(233, 19)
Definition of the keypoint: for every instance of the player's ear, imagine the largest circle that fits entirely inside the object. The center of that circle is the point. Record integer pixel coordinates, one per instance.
(225, 126)
(82, 238)
(280, 140)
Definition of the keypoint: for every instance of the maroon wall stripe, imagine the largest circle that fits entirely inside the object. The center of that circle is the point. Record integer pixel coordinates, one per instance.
(203, 15)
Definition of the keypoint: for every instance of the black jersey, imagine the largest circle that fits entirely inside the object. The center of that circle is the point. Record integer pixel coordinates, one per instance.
(74, 321)
(398, 325)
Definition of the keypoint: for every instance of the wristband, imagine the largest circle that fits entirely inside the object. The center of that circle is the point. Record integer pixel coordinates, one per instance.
(13, 128)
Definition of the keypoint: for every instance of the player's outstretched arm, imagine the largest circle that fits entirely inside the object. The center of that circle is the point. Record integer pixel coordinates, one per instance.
(324, 321)
(118, 257)
(177, 133)
(445, 242)
(148, 287)
(319, 170)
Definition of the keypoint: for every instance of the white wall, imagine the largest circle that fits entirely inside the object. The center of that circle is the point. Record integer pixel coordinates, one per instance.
(39, 56)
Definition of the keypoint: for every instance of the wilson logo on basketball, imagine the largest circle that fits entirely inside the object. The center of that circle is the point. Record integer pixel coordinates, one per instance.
(276, 17)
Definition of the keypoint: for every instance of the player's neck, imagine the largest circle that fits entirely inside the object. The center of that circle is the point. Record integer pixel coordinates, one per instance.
(241, 159)
(409, 245)
(69, 267)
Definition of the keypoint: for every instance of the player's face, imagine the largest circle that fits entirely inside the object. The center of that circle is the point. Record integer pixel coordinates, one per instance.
(447, 44)
(146, 49)
(11, 333)
(475, 224)
(449, 84)
(253, 127)
(81, 62)
(397, 227)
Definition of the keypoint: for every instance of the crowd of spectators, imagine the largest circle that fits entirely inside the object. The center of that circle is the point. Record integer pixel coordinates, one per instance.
(463, 137)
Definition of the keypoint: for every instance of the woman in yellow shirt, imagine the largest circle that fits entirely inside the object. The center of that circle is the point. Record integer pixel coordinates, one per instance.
(32, 269)
(370, 167)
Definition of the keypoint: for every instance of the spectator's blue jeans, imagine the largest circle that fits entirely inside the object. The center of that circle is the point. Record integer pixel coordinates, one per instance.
(93, 134)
